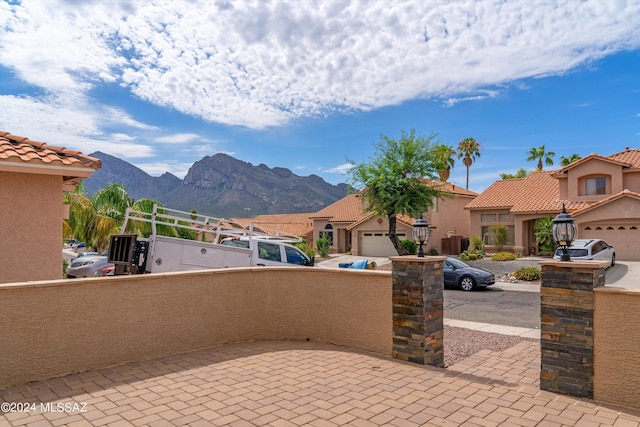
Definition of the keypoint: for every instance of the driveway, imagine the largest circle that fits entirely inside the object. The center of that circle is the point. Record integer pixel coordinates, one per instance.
(625, 274)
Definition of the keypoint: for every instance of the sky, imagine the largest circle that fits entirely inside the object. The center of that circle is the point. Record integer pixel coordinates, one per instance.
(311, 85)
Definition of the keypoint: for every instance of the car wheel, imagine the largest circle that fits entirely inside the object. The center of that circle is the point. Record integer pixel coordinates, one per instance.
(467, 283)
(613, 260)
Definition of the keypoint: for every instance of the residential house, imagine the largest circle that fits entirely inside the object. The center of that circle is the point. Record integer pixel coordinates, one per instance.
(602, 193)
(298, 224)
(33, 177)
(351, 227)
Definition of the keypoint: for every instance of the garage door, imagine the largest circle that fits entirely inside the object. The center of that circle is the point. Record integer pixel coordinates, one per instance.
(625, 238)
(378, 244)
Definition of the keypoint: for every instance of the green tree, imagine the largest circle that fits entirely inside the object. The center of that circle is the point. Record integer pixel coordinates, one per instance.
(566, 161)
(543, 229)
(469, 150)
(520, 173)
(443, 160)
(541, 154)
(393, 179)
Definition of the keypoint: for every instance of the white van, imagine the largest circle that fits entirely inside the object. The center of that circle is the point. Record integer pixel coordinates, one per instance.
(269, 253)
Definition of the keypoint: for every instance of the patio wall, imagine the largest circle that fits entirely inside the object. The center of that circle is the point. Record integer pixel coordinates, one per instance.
(52, 328)
(616, 337)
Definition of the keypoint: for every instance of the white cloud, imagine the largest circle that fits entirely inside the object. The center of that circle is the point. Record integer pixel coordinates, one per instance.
(178, 138)
(259, 64)
(341, 169)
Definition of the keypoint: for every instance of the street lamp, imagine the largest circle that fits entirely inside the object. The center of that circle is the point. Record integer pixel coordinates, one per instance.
(420, 232)
(564, 233)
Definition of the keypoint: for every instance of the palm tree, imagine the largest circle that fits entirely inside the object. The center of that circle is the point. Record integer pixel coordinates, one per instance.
(469, 149)
(566, 161)
(539, 154)
(443, 160)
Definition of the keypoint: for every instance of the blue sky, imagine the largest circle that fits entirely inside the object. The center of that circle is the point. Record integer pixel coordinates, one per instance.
(308, 85)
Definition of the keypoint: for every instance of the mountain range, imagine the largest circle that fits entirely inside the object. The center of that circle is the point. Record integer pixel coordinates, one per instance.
(222, 186)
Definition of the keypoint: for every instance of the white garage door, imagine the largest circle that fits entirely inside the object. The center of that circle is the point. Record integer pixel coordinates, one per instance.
(625, 238)
(378, 244)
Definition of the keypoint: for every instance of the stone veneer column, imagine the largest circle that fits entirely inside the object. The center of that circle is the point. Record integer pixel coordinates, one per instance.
(566, 337)
(418, 328)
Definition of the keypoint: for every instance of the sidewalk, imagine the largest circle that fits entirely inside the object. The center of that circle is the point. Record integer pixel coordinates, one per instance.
(308, 383)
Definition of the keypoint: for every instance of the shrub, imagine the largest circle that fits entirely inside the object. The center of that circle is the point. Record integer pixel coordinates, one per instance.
(306, 248)
(410, 246)
(500, 235)
(471, 255)
(433, 252)
(322, 244)
(503, 256)
(527, 273)
(476, 244)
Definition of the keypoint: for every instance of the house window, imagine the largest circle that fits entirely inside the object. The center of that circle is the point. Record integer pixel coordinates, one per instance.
(488, 235)
(506, 217)
(595, 186)
(488, 218)
(328, 233)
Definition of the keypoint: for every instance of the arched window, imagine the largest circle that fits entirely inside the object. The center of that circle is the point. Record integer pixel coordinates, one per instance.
(328, 233)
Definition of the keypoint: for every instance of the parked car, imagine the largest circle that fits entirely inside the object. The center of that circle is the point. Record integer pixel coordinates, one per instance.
(87, 254)
(461, 275)
(587, 249)
(85, 266)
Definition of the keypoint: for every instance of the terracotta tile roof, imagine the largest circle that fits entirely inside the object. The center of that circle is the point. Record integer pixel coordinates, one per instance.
(348, 209)
(630, 156)
(21, 150)
(538, 192)
(298, 224)
(624, 193)
(453, 189)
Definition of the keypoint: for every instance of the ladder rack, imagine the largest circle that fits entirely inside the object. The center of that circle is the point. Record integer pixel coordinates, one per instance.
(214, 229)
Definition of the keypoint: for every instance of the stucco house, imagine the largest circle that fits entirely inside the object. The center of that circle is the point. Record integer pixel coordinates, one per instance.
(352, 228)
(33, 177)
(602, 193)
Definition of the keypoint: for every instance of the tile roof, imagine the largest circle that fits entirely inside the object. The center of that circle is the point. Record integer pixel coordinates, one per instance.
(348, 209)
(299, 224)
(538, 192)
(629, 155)
(21, 150)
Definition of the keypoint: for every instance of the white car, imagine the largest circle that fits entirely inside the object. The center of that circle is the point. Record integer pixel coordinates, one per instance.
(587, 249)
(86, 266)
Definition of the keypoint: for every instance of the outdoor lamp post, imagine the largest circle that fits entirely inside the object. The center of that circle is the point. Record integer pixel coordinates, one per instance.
(564, 233)
(420, 232)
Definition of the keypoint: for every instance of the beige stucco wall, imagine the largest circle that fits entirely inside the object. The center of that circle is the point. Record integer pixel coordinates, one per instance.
(616, 338)
(30, 227)
(595, 167)
(57, 327)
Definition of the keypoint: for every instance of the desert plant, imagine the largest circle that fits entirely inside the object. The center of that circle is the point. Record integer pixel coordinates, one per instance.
(527, 273)
(471, 255)
(410, 246)
(503, 256)
(476, 244)
(433, 251)
(323, 244)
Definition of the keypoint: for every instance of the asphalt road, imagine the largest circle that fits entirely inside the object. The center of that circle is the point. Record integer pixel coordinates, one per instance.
(494, 305)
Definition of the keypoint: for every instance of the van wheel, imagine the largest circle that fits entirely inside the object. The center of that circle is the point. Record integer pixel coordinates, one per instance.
(467, 283)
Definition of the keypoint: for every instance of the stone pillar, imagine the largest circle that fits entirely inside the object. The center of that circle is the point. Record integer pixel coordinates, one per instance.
(418, 328)
(566, 336)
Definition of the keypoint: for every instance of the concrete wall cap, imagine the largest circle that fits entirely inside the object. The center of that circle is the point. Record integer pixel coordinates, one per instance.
(575, 264)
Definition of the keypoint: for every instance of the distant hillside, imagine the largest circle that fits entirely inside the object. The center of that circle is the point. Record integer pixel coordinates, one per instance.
(221, 185)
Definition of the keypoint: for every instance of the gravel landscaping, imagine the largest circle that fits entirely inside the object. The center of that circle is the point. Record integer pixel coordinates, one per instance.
(460, 343)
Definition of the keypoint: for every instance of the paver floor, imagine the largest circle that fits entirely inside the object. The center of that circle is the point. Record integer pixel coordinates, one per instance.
(307, 383)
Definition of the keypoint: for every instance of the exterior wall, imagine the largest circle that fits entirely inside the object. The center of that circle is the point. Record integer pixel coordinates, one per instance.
(450, 217)
(593, 168)
(30, 217)
(339, 244)
(616, 337)
(476, 224)
(631, 181)
(59, 327)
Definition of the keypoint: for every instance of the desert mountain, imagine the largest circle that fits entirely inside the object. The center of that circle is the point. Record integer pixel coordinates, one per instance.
(221, 185)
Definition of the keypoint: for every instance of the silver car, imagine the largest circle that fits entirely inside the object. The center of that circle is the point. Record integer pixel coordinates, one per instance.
(587, 249)
(86, 266)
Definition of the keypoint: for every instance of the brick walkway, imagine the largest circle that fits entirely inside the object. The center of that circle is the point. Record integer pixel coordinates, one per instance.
(306, 383)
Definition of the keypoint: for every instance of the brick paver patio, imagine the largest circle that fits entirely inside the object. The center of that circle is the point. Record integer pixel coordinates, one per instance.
(307, 383)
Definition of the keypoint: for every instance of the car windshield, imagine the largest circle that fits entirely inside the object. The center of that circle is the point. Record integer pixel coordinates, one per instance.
(574, 252)
(457, 263)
